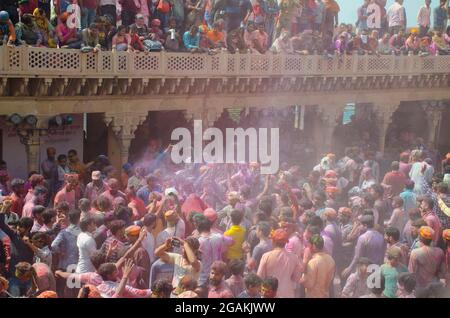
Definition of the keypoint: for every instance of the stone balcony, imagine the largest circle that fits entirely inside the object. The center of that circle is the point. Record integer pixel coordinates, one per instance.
(125, 87)
(41, 72)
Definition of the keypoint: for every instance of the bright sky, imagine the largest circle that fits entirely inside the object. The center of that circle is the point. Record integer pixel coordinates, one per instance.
(349, 7)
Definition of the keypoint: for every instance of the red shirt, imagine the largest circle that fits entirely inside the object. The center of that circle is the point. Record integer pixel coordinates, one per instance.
(64, 196)
(17, 204)
(29, 7)
(397, 181)
(129, 5)
(140, 208)
(221, 291)
(90, 4)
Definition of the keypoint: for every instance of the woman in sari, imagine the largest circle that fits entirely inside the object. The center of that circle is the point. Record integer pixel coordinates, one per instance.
(45, 28)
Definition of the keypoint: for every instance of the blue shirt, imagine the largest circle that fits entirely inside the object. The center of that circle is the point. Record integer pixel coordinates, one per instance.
(63, 5)
(409, 200)
(65, 244)
(440, 18)
(320, 9)
(362, 24)
(144, 192)
(191, 42)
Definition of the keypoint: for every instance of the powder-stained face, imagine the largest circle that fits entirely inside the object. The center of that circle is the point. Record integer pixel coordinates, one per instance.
(215, 277)
(267, 292)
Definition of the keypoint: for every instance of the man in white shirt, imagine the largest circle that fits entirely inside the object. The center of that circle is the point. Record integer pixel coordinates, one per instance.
(149, 241)
(424, 18)
(396, 17)
(86, 246)
(175, 228)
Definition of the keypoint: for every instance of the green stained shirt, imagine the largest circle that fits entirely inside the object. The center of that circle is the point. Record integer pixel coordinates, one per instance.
(390, 278)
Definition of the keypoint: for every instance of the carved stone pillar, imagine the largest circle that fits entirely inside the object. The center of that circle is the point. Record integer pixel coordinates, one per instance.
(433, 111)
(384, 112)
(211, 115)
(32, 146)
(31, 139)
(124, 125)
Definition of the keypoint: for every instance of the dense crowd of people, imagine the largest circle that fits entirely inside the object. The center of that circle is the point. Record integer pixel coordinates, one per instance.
(258, 26)
(159, 229)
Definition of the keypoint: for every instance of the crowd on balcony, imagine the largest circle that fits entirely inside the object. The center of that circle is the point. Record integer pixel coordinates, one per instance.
(257, 26)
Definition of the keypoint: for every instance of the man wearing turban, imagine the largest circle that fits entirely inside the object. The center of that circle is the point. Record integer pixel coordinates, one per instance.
(140, 257)
(427, 263)
(279, 263)
(319, 273)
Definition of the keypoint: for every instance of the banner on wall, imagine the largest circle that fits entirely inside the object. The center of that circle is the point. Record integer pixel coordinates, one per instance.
(61, 139)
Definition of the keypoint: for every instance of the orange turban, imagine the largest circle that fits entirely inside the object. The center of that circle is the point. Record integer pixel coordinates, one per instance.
(426, 232)
(331, 190)
(280, 236)
(48, 294)
(63, 17)
(447, 156)
(446, 235)
(133, 230)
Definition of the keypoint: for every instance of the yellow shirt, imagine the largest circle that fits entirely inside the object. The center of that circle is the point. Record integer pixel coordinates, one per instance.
(444, 207)
(237, 233)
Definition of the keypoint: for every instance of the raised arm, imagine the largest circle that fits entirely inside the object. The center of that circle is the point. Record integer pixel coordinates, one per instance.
(132, 249)
(191, 257)
(5, 228)
(161, 251)
(127, 268)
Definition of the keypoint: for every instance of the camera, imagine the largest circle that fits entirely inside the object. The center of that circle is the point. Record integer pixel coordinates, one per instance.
(176, 242)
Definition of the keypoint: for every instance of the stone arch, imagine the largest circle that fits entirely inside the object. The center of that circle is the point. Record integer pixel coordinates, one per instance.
(157, 127)
(361, 128)
(409, 122)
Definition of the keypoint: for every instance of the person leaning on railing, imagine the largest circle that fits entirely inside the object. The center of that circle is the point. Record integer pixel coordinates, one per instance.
(45, 28)
(89, 37)
(191, 40)
(7, 32)
(27, 32)
(282, 44)
(67, 34)
(122, 40)
(383, 45)
(442, 47)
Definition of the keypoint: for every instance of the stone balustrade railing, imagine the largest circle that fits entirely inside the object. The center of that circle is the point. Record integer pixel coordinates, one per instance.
(43, 62)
